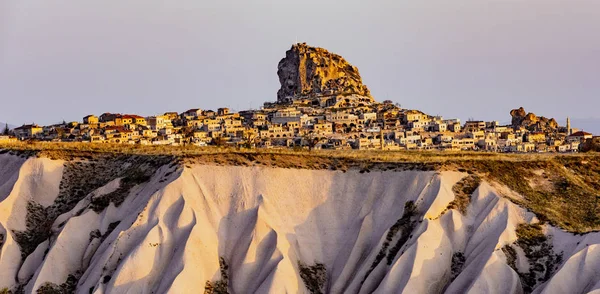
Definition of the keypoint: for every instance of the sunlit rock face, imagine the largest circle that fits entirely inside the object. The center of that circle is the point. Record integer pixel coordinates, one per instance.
(530, 121)
(157, 227)
(313, 72)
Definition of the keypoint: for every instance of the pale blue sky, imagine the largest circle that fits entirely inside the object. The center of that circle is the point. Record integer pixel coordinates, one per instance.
(64, 59)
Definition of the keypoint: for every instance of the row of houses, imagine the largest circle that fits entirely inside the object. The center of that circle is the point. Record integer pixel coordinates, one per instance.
(376, 126)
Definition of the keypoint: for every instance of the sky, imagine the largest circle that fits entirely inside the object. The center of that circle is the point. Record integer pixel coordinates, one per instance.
(64, 59)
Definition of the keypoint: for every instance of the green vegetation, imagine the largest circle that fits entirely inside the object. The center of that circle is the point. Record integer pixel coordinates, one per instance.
(82, 176)
(405, 225)
(314, 277)
(134, 177)
(561, 190)
(458, 262)
(67, 287)
(38, 229)
(6, 130)
(511, 256)
(463, 191)
(220, 286)
(543, 261)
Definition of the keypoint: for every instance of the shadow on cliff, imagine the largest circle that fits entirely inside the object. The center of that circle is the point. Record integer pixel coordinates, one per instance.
(342, 234)
(345, 232)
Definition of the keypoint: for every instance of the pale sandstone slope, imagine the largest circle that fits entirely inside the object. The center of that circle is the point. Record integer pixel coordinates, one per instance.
(275, 230)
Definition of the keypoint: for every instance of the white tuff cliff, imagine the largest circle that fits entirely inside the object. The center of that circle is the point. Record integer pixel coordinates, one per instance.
(276, 230)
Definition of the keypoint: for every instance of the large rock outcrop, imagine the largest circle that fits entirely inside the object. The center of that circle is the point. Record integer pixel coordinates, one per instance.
(309, 72)
(530, 121)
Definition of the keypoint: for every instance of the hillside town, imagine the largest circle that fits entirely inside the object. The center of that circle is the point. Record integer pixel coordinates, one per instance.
(378, 126)
(322, 104)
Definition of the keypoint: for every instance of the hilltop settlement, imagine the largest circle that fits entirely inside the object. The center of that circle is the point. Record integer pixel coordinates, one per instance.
(322, 104)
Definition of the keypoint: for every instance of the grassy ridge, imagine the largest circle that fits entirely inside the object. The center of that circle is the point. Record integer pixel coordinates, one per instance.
(560, 189)
(66, 149)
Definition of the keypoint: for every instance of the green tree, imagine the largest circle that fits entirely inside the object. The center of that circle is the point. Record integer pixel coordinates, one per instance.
(6, 131)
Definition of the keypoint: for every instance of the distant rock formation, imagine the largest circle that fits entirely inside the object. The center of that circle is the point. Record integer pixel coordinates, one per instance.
(530, 121)
(310, 72)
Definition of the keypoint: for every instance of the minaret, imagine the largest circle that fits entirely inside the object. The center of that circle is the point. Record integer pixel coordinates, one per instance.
(568, 126)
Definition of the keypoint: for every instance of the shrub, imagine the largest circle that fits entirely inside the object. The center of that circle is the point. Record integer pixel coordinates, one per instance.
(405, 225)
(314, 277)
(543, 261)
(463, 191)
(220, 286)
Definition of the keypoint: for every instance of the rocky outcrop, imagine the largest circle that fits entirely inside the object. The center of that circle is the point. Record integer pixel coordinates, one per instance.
(309, 72)
(530, 121)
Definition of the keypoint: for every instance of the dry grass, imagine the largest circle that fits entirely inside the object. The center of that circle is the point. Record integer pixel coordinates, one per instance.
(538, 248)
(571, 202)
(74, 149)
(463, 191)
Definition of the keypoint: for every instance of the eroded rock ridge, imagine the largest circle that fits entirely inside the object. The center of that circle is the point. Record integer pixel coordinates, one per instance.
(310, 73)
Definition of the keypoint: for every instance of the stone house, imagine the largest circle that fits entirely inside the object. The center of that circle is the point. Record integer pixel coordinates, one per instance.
(451, 121)
(477, 135)
(91, 119)
(455, 127)
(129, 120)
(209, 113)
(195, 123)
(194, 112)
(167, 131)
(528, 147)
(368, 117)
(417, 124)
(474, 125)
(288, 115)
(171, 115)
(200, 134)
(424, 143)
(232, 123)
(440, 127)
(342, 118)
(535, 137)
(411, 116)
(463, 144)
(211, 127)
(139, 120)
(367, 143)
(147, 132)
(223, 111)
(28, 131)
(323, 128)
(107, 116)
(409, 139)
(580, 136)
(97, 139)
(508, 136)
(158, 122)
(121, 121)
(293, 126)
(487, 144)
(501, 129)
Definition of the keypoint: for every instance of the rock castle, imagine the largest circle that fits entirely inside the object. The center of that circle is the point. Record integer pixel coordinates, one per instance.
(321, 77)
